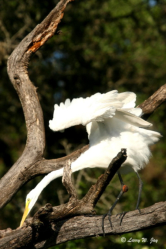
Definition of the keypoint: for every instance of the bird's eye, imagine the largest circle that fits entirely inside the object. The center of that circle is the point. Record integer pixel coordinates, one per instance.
(28, 200)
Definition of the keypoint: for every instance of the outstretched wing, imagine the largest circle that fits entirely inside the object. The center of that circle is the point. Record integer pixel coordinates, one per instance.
(83, 111)
(97, 108)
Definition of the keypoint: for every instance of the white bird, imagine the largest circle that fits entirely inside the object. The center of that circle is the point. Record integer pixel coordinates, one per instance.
(112, 123)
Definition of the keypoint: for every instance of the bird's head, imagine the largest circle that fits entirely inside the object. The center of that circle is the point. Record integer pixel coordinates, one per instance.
(29, 203)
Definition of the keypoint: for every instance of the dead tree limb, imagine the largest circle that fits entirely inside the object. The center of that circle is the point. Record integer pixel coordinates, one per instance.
(81, 227)
(48, 214)
(95, 192)
(45, 221)
(17, 70)
(153, 102)
(67, 182)
(31, 163)
(44, 166)
(87, 203)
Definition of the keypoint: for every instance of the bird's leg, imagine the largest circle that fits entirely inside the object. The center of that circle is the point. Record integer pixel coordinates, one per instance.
(124, 189)
(139, 193)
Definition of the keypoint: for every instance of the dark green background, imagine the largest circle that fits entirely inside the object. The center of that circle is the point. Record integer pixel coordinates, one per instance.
(103, 45)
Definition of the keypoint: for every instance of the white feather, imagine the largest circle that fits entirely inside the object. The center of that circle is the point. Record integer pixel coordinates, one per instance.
(95, 108)
(107, 139)
(130, 118)
(112, 123)
(128, 99)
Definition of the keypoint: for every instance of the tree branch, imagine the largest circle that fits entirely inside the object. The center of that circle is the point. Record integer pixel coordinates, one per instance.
(87, 203)
(67, 182)
(32, 163)
(49, 223)
(97, 190)
(153, 102)
(17, 70)
(81, 227)
(43, 166)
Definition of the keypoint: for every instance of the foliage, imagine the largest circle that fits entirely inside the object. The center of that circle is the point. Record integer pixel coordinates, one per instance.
(102, 46)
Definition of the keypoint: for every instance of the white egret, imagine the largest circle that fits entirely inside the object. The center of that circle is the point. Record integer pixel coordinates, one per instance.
(112, 123)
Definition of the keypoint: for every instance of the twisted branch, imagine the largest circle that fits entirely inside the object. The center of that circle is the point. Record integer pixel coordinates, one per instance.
(41, 231)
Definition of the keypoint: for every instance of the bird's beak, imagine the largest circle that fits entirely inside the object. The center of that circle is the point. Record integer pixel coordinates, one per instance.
(26, 211)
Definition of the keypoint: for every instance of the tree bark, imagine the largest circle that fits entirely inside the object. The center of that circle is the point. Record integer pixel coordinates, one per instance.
(153, 102)
(44, 230)
(20, 172)
(47, 235)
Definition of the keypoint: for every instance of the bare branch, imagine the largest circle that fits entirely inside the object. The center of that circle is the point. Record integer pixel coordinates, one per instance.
(97, 190)
(17, 70)
(153, 102)
(32, 163)
(81, 227)
(67, 182)
(87, 203)
(54, 225)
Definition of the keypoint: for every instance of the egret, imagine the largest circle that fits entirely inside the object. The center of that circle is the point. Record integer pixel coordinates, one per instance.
(112, 122)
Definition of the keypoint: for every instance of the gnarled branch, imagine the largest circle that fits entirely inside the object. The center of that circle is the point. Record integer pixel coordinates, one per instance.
(44, 228)
(17, 70)
(81, 227)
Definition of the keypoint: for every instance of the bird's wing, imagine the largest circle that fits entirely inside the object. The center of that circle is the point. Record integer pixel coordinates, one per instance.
(112, 126)
(136, 111)
(128, 99)
(131, 118)
(150, 137)
(83, 111)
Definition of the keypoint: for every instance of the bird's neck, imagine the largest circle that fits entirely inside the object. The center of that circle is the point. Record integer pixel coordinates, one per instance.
(48, 178)
(53, 175)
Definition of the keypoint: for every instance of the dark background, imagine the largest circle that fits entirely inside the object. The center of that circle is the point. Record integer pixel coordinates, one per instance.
(103, 45)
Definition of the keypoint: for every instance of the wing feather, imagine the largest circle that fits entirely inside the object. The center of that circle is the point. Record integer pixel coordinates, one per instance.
(131, 118)
(97, 108)
(83, 111)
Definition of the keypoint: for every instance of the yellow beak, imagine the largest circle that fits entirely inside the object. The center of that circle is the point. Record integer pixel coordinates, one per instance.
(26, 211)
